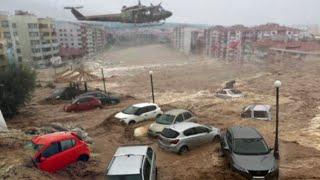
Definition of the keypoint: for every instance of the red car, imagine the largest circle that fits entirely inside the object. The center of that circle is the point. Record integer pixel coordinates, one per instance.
(83, 104)
(57, 150)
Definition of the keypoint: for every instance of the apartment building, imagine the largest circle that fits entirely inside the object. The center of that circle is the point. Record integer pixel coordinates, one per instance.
(71, 39)
(215, 39)
(181, 38)
(36, 36)
(10, 51)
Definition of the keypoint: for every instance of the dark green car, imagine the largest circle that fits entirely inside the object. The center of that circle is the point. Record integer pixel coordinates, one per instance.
(104, 98)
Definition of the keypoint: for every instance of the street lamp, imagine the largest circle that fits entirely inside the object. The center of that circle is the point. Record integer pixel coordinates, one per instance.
(150, 73)
(277, 85)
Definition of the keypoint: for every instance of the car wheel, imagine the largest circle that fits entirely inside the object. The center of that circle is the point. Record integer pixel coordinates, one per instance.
(183, 150)
(216, 139)
(156, 173)
(132, 122)
(83, 158)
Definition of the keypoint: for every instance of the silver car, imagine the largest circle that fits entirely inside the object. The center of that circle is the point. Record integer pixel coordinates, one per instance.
(182, 137)
(229, 93)
(173, 116)
(136, 162)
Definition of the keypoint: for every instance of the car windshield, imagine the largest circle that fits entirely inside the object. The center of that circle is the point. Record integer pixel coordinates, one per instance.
(165, 119)
(254, 146)
(130, 110)
(125, 177)
(169, 133)
(260, 114)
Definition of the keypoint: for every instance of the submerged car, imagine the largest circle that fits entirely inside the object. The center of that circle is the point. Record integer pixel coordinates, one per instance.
(182, 137)
(132, 163)
(139, 112)
(83, 103)
(170, 117)
(55, 151)
(248, 153)
(229, 93)
(66, 93)
(104, 98)
(260, 112)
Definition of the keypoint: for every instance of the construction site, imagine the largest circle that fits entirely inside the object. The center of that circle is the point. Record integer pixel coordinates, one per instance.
(180, 81)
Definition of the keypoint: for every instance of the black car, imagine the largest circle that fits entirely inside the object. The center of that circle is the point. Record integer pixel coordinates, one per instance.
(65, 93)
(104, 98)
(248, 153)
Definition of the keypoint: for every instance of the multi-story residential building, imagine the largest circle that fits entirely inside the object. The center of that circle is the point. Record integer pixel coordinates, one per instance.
(48, 39)
(70, 36)
(181, 38)
(37, 37)
(10, 47)
(235, 43)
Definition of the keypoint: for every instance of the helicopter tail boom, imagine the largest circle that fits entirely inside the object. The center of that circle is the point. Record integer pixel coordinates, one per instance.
(76, 13)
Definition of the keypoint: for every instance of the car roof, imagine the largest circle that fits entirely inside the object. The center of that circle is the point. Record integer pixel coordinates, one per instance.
(261, 107)
(127, 160)
(139, 105)
(176, 111)
(244, 132)
(132, 150)
(180, 127)
(52, 137)
(85, 96)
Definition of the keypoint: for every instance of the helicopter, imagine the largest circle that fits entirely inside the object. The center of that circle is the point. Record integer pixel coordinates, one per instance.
(138, 14)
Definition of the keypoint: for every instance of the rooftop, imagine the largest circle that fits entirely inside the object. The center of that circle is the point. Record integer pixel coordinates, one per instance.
(244, 132)
(143, 105)
(180, 127)
(176, 111)
(127, 160)
(49, 138)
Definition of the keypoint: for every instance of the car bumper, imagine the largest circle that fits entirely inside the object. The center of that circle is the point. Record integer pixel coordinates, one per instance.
(171, 148)
(153, 133)
(247, 175)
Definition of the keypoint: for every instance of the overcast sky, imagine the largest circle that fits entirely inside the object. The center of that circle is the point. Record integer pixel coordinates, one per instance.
(213, 12)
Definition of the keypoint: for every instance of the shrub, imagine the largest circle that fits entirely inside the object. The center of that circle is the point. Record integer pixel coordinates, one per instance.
(17, 84)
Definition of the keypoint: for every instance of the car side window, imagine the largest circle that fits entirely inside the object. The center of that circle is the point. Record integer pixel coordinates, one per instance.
(187, 115)
(152, 108)
(51, 150)
(189, 132)
(200, 130)
(142, 110)
(223, 92)
(179, 118)
(150, 153)
(146, 170)
(67, 144)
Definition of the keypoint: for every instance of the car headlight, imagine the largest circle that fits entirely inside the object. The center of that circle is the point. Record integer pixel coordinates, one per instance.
(57, 97)
(239, 168)
(274, 168)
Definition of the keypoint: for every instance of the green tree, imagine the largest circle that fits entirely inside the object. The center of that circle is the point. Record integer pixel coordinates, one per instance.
(17, 84)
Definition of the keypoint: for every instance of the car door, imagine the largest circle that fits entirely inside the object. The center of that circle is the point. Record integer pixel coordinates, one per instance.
(190, 140)
(151, 112)
(68, 151)
(146, 169)
(51, 159)
(141, 114)
(188, 117)
(202, 135)
(152, 158)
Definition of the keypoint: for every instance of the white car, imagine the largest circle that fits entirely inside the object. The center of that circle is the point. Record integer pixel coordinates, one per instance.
(229, 93)
(139, 112)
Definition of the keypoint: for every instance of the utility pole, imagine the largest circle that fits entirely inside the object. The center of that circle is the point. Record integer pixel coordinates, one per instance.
(104, 81)
(277, 84)
(151, 79)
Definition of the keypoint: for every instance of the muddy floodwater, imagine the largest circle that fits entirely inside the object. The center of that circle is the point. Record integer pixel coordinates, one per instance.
(180, 82)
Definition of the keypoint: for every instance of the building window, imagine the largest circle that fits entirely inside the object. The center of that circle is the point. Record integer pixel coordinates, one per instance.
(4, 24)
(32, 26)
(7, 35)
(14, 25)
(33, 34)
